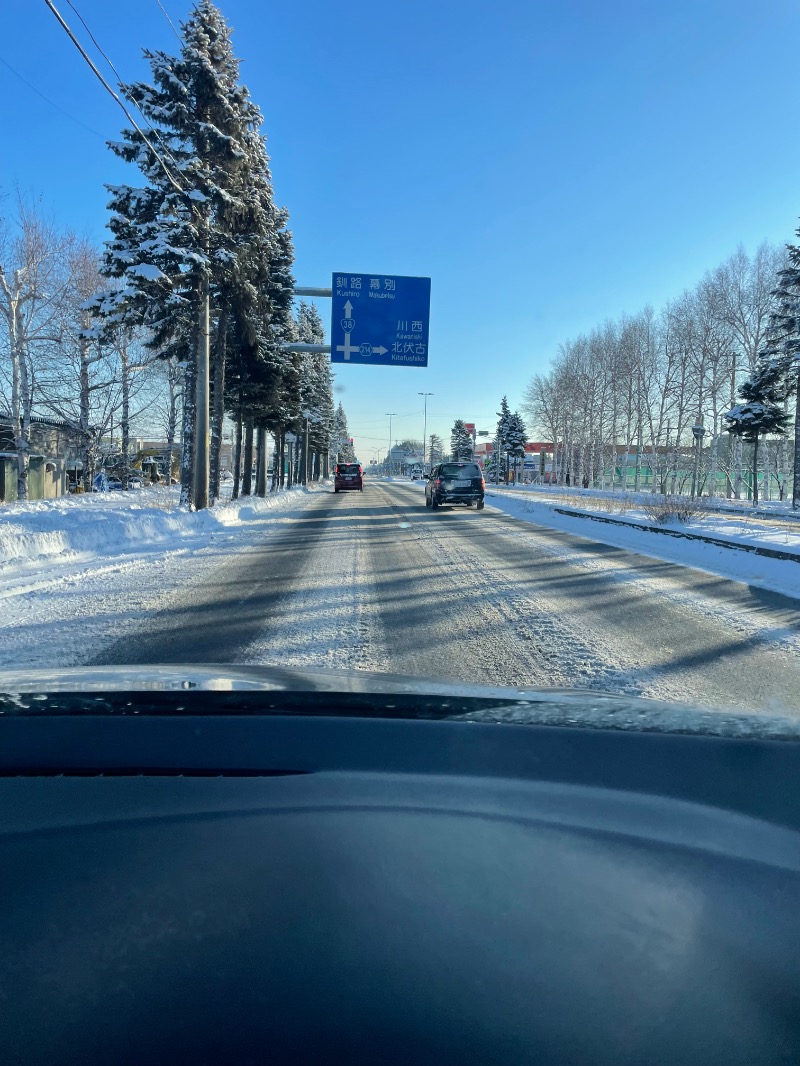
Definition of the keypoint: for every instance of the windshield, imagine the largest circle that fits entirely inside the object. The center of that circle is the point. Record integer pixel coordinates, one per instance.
(490, 380)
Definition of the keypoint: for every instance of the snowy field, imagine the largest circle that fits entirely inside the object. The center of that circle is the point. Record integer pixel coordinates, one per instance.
(75, 571)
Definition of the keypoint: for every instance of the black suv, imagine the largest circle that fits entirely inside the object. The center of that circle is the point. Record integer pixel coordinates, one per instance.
(460, 482)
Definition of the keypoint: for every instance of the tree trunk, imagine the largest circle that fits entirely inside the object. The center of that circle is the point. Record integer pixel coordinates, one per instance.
(247, 471)
(187, 432)
(20, 408)
(738, 467)
(218, 404)
(237, 456)
(173, 371)
(261, 467)
(124, 424)
(766, 475)
(796, 464)
(755, 472)
(88, 442)
(714, 464)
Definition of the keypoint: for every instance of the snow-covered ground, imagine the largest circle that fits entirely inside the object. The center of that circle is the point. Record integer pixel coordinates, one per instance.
(774, 574)
(78, 573)
(73, 571)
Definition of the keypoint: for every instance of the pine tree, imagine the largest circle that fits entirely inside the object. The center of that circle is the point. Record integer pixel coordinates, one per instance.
(316, 387)
(340, 442)
(783, 347)
(435, 449)
(500, 439)
(461, 443)
(761, 414)
(516, 437)
(203, 223)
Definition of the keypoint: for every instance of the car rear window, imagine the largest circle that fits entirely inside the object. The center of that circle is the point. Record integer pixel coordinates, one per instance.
(347, 468)
(461, 470)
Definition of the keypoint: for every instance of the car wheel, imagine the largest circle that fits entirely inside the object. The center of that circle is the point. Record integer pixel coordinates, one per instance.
(434, 504)
(335, 490)
(427, 502)
(480, 505)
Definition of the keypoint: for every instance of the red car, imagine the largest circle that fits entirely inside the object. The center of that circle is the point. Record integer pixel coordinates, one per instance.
(348, 476)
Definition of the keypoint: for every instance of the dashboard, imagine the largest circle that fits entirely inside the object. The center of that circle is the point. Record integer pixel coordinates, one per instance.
(280, 887)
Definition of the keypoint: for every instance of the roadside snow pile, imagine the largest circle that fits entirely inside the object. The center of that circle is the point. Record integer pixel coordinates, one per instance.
(778, 575)
(78, 526)
(737, 530)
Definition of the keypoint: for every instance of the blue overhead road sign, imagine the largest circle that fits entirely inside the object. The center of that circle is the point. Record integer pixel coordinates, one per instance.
(380, 319)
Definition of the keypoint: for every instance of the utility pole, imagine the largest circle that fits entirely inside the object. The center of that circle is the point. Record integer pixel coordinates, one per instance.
(390, 415)
(425, 396)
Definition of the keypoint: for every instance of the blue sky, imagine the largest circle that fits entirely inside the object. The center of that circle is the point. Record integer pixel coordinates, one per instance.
(547, 165)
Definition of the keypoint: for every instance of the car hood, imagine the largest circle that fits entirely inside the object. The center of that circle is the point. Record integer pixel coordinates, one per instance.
(391, 694)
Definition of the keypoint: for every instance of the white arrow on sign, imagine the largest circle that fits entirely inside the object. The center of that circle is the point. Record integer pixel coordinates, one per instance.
(348, 348)
(348, 310)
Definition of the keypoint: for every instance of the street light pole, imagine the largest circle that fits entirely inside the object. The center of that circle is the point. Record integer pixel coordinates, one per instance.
(390, 415)
(425, 396)
(699, 432)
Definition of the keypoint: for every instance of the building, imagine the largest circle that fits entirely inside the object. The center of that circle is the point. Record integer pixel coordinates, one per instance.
(53, 451)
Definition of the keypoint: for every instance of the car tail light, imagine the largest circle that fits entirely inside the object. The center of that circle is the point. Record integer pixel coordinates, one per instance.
(438, 482)
(483, 483)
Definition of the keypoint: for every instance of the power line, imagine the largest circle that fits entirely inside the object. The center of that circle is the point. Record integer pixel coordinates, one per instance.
(113, 95)
(121, 84)
(49, 101)
(169, 20)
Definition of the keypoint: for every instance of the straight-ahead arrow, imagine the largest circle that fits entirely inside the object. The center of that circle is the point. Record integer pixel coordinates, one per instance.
(348, 310)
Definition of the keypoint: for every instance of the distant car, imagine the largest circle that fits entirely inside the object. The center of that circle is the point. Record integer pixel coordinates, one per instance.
(460, 482)
(114, 484)
(348, 476)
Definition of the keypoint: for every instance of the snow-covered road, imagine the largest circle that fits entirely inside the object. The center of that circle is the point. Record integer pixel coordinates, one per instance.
(375, 582)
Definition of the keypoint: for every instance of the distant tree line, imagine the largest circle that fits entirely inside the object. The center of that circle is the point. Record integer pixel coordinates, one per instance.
(657, 391)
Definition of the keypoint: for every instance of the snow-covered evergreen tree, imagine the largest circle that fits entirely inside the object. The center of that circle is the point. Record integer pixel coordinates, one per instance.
(341, 448)
(435, 449)
(516, 437)
(461, 443)
(500, 467)
(204, 221)
(316, 386)
(762, 413)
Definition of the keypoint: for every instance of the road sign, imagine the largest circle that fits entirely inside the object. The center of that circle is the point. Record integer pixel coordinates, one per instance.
(380, 319)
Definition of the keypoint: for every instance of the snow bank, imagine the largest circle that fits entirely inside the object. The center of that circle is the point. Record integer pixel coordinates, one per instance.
(98, 524)
(775, 574)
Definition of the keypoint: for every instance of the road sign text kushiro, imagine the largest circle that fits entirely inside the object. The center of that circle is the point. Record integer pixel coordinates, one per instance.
(380, 319)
